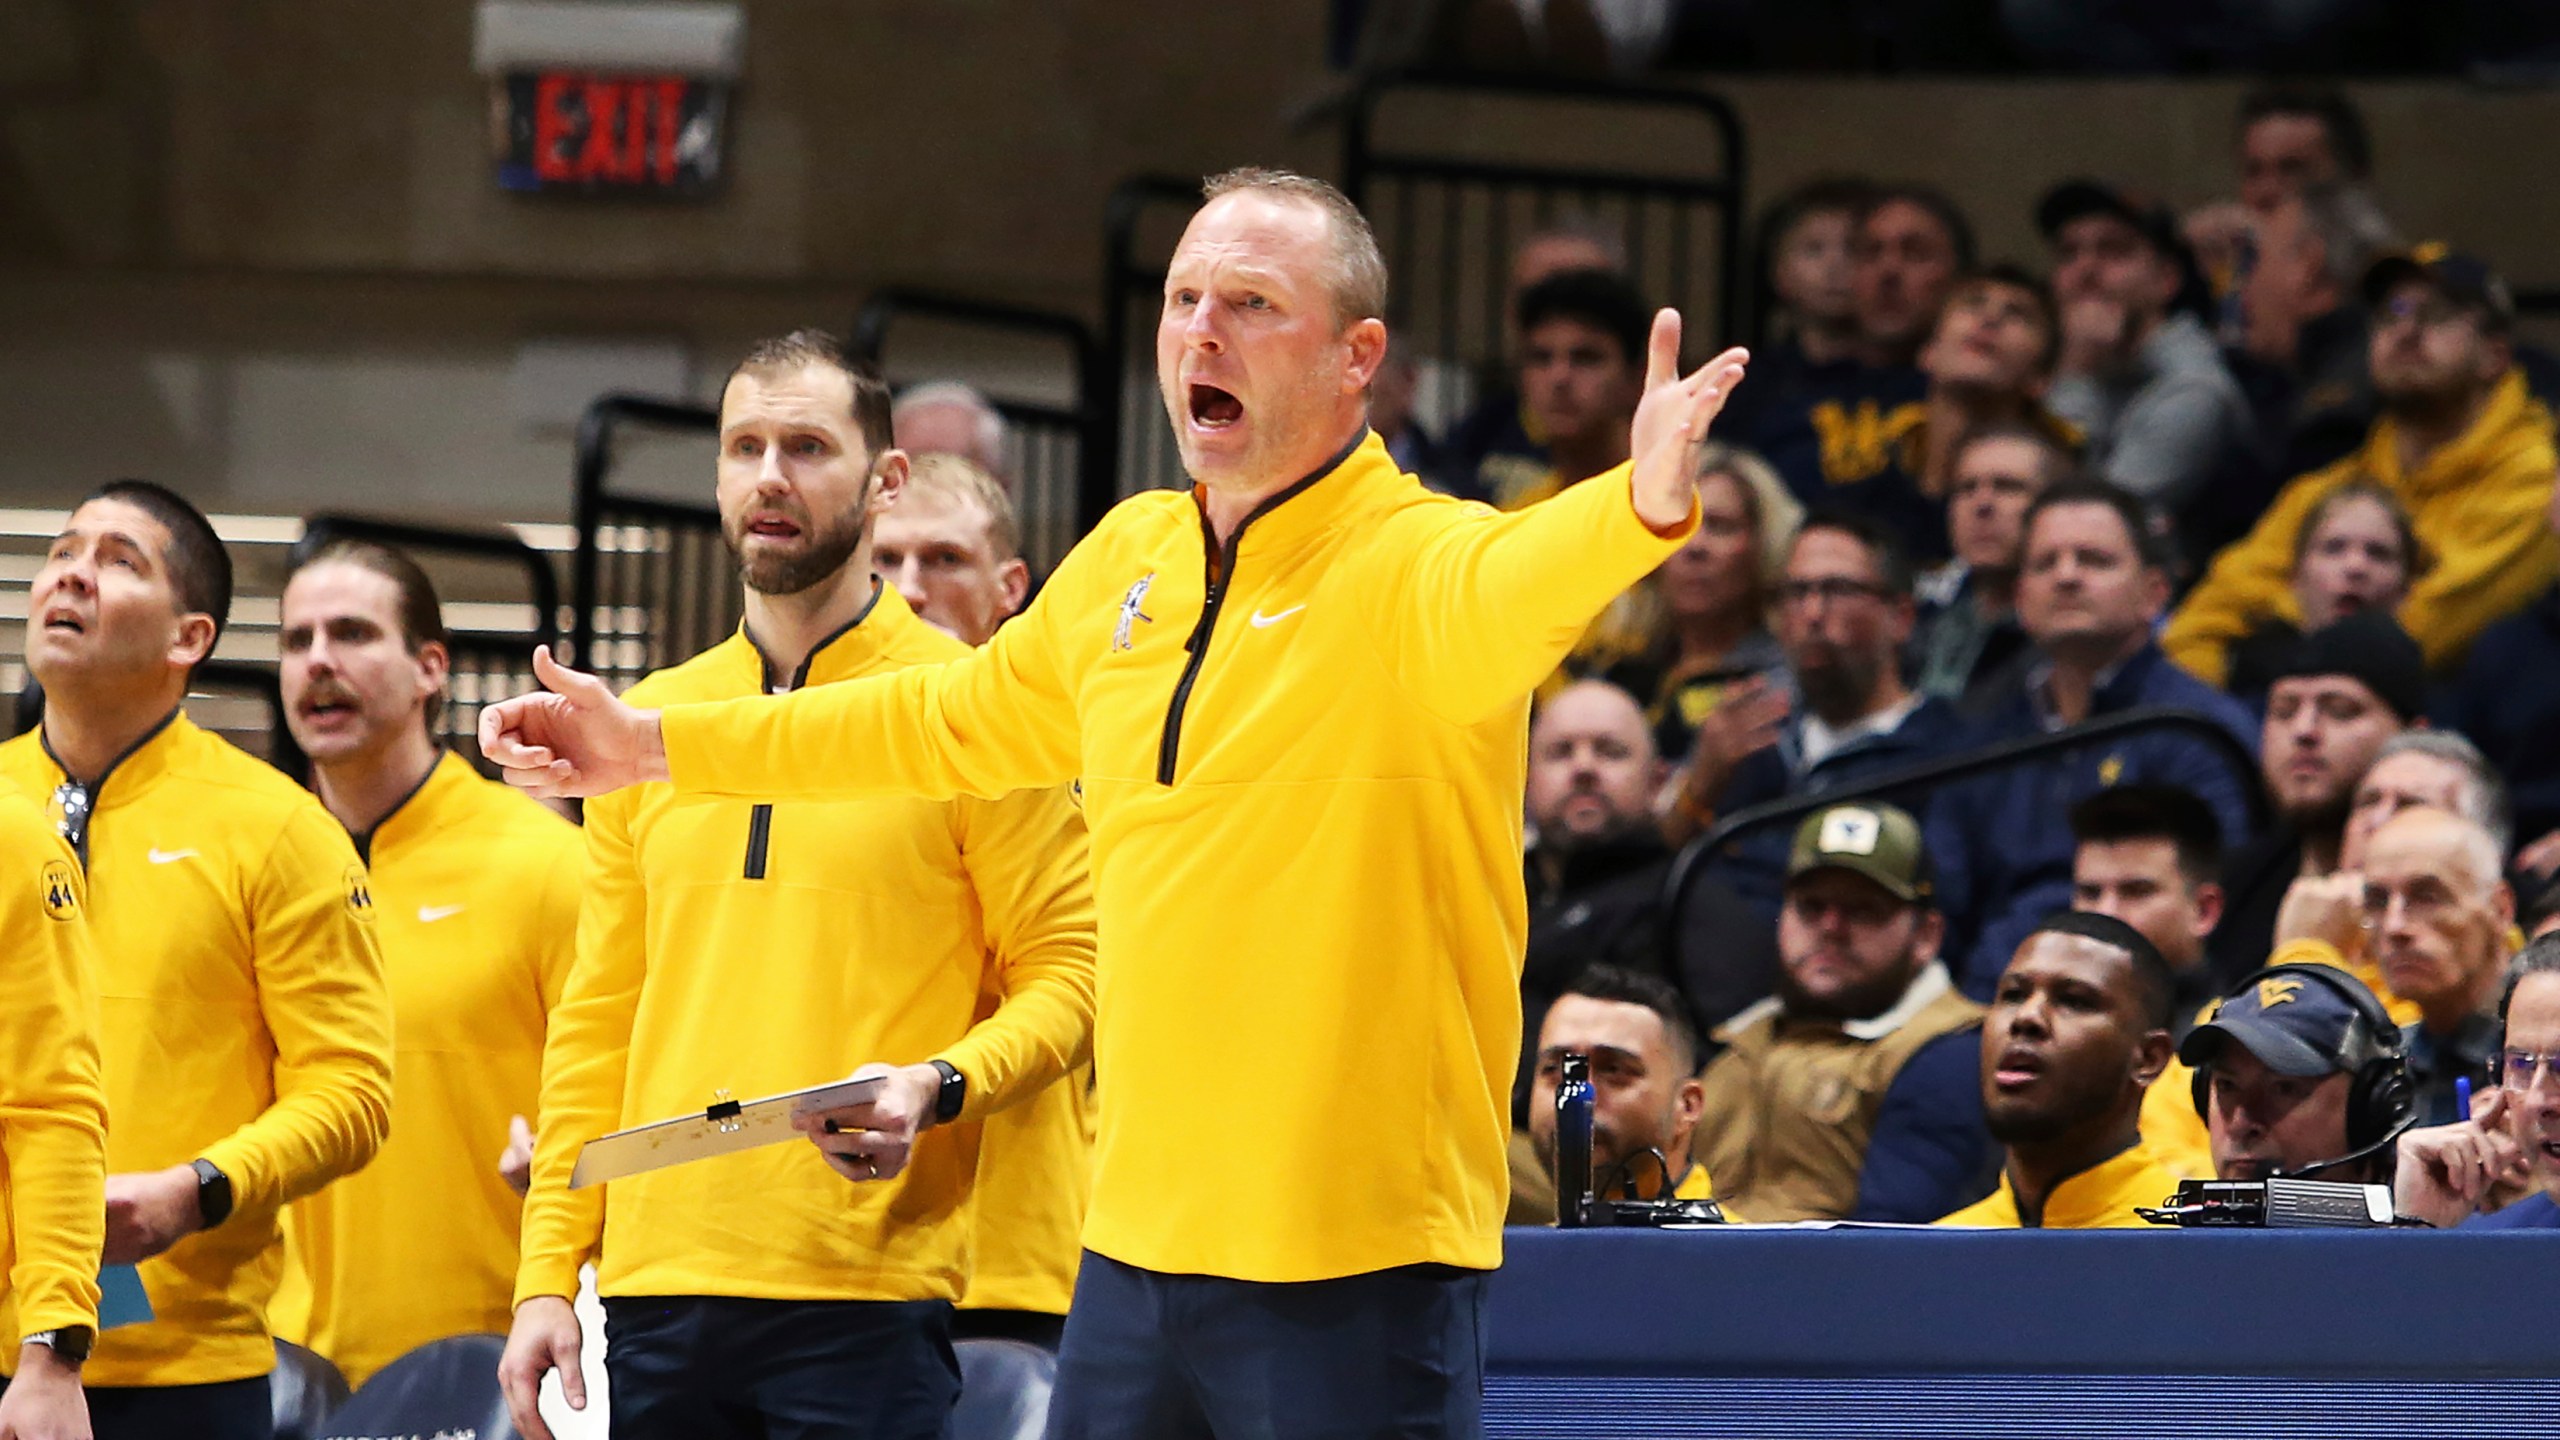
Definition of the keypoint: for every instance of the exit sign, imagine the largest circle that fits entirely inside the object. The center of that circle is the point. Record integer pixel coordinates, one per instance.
(612, 133)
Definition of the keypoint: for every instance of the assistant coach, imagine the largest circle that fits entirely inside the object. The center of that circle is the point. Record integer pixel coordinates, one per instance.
(1297, 698)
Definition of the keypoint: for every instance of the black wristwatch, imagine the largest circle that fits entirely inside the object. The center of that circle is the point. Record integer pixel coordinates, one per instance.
(213, 1193)
(70, 1343)
(953, 1094)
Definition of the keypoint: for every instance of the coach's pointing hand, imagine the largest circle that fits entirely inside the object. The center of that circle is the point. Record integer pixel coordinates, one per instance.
(1672, 420)
(573, 737)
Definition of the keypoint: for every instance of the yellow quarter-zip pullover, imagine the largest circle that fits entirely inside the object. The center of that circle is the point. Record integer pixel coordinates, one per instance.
(53, 1108)
(744, 949)
(1302, 767)
(475, 893)
(242, 1018)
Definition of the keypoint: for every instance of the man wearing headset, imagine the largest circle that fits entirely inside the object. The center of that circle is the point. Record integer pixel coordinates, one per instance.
(2300, 1073)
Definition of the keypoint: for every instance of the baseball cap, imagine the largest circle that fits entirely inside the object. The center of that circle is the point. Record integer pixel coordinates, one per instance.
(2294, 1024)
(1879, 842)
(2368, 646)
(2150, 216)
(2147, 214)
(2465, 280)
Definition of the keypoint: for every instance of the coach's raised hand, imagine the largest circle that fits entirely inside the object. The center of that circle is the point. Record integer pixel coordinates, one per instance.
(1672, 420)
(574, 737)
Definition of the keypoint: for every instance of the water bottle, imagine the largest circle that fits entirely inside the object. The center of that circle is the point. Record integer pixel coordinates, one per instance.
(1573, 1142)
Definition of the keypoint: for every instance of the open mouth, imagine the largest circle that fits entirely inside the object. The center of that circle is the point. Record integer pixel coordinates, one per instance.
(64, 622)
(2017, 1068)
(774, 527)
(1213, 408)
(328, 707)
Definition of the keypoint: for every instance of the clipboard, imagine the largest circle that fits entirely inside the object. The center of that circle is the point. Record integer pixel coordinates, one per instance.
(723, 1128)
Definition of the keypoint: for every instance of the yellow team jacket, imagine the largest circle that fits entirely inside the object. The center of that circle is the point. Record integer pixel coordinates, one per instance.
(2479, 505)
(53, 1108)
(475, 893)
(1303, 775)
(243, 1020)
(742, 949)
(2099, 1198)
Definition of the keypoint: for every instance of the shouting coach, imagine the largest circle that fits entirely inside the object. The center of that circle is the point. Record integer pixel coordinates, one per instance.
(1297, 696)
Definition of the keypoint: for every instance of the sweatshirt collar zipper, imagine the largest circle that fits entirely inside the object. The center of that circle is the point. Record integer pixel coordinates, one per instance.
(1219, 566)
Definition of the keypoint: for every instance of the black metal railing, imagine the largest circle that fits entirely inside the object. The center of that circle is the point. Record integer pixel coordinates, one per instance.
(487, 662)
(651, 582)
(1699, 854)
(1447, 220)
(1059, 461)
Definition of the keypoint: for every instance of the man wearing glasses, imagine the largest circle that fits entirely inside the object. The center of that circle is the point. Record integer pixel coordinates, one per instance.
(1844, 614)
(2450, 1173)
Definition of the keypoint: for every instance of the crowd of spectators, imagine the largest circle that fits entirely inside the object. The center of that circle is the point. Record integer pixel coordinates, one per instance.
(2270, 467)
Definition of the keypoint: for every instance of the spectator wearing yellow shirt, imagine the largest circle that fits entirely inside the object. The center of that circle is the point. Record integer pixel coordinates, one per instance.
(952, 546)
(2077, 1031)
(244, 1025)
(53, 1127)
(475, 891)
(1645, 1096)
(1582, 336)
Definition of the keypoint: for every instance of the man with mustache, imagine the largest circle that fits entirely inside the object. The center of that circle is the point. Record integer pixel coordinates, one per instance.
(1851, 1090)
(2077, 1031)
(476, 893)
(1844, 614)
(2346, 691)
(740, 949)
(1635, 1031)
(1296, 698)
(243, 1021)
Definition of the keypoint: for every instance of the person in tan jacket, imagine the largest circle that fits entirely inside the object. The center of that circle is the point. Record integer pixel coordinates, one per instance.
(2460, 442)
(1809, 1094)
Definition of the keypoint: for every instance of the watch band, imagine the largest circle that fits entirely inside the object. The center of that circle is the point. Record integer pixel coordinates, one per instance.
(954, 1093)
(71, 1342)
(213, 1193)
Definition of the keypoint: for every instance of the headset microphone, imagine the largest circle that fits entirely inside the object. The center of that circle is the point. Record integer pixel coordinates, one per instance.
(2361, 1152)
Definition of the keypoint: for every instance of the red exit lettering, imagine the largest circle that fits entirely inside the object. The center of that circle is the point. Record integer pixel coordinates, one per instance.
(607, 130)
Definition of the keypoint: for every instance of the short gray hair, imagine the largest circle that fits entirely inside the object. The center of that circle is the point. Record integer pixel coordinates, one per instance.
(1359, 271)
(2483, 800)
(987, 445)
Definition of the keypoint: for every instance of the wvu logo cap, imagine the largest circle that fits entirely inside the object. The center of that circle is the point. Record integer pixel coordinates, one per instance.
(61, 891)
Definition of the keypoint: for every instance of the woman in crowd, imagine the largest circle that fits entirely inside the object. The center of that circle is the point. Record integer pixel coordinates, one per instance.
(2357, 551)
(1700, 624)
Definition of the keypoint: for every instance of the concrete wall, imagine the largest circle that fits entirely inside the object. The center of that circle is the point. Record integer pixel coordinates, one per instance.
(254, 246)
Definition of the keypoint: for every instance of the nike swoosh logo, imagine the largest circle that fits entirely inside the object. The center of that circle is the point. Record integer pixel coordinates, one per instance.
(1265, 622)
(168, 857)
(430, 914)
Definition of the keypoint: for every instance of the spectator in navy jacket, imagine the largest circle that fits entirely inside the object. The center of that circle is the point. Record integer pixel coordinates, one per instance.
(2507, 701)
(2090, 595)
(1844, 614)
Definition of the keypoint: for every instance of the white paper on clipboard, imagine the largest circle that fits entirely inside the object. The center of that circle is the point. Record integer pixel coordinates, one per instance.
(721, 1129)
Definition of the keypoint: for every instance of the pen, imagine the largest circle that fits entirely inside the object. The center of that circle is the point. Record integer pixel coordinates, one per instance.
(2462, 1097)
